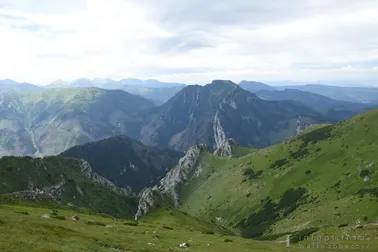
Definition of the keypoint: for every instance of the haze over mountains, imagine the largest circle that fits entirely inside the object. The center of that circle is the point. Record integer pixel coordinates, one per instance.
(160, 92)
(39, 120)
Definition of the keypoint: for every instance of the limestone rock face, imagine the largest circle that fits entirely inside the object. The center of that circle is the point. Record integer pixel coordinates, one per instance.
(226, 148)
(166, 188)
(301, 125)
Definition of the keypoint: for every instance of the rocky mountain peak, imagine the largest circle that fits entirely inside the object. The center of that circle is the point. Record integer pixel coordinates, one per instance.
(223, 82)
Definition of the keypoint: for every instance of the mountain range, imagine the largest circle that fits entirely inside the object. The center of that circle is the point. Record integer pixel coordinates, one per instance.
(160, 92)
(154, 90)
(210, 114)
(52, 120)
(303, 179)
(112, 84)
(8, 84)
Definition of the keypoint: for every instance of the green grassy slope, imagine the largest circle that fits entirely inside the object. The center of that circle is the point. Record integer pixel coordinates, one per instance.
(62, 180)
(22, 230)
(327, 176)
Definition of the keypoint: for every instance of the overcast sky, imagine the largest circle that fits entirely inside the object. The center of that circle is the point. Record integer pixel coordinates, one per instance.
(189, 41)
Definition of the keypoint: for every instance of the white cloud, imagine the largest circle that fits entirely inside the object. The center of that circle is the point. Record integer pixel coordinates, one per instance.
(299, 40)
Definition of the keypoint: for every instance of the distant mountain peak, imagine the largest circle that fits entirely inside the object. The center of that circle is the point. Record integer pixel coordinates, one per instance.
(81, 79)
(255, 86)
(104, 80)
(222, 82)
(59, 82)
(8, 82)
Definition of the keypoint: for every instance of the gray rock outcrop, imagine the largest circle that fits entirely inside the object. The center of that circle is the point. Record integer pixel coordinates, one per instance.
(226, 148)
(166, 189)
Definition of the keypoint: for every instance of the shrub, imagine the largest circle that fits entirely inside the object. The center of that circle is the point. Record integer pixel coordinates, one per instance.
(258, 222)
(97, 223)
(248, 171)
(208, 232)
(131, 224)
(24, 213)
(251, 174)
(166, 227)
(364, 173)
(315, 136)
(300, 153)
(59, 217)
(336, 185)
(279, 163)
(290, 197)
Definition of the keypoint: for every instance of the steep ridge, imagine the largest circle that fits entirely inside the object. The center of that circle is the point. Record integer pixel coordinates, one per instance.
(125, 161)
(251, 121)
(187, 118)
(325, 176)
(64, 181)
(213, 113)
(166, 189)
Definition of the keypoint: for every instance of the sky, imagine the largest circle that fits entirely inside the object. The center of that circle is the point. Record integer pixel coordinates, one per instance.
(190, 41)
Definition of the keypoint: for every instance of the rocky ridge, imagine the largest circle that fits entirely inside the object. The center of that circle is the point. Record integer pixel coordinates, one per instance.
(86, 169)
(55, 191)
(226, 148)
(166, 188)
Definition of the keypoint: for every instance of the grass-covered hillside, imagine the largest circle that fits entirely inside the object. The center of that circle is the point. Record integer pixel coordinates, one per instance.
(52, 120)
(23, 230)
(326, 176)
(62, 181)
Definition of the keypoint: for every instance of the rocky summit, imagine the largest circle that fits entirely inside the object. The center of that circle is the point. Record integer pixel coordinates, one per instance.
(220, 110)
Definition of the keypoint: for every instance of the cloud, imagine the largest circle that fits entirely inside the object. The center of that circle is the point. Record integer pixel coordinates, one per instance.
(178, 44)
(189, 41)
